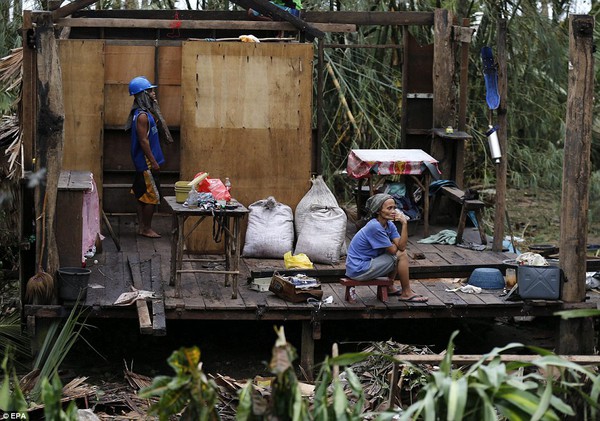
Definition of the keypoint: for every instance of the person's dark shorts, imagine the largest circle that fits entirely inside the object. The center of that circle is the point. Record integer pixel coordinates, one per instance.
(146, 187)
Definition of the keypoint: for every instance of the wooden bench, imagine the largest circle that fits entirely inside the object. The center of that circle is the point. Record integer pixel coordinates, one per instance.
(382, 285)
(467, 205)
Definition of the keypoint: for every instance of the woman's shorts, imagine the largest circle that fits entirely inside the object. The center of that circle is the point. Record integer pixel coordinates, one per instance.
(381, 265)
(146, 186)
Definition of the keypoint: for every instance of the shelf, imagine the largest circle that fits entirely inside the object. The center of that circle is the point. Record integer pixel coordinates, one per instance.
(456, 135)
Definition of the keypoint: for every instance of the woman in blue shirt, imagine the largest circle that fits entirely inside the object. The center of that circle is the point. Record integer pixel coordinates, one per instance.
(378, 249)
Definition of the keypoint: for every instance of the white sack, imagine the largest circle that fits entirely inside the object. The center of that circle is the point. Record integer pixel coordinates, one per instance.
(319, 194)
(323, 234)
(270, 232)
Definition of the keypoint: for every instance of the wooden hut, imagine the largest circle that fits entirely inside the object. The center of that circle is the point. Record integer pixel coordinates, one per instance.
(234, 109)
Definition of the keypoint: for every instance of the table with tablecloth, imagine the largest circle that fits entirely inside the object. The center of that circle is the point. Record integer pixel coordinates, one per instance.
(416, 163)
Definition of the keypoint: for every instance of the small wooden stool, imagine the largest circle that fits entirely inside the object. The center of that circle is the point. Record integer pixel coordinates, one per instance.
(382, 285)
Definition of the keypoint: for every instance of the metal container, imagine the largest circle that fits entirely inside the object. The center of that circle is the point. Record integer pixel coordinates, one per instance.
(539, 282)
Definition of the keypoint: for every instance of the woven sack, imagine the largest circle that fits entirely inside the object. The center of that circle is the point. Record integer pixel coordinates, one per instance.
(319, 194)
(270, 232)
(322, 235)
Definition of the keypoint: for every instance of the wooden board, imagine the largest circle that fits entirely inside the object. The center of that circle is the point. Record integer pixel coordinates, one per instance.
(124, 62)
(82, 67)
(246, 115)
(138, 270)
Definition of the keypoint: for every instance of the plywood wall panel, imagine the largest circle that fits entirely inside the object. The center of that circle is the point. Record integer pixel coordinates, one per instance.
(124, 62)
(246, 115)
(169, 65)
(82, 67)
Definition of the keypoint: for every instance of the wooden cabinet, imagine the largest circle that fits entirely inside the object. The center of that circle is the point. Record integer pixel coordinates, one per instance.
(74, 212)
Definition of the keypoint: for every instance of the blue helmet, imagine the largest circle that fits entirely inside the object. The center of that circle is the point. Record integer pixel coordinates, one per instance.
(139, 84)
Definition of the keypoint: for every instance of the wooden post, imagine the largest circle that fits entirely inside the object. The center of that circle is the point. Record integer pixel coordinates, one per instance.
(576, 176)
(576, 168)
(443, 88)
(307, 350)
(501, 168)
(50, 130)
(318, 165)
(465, 43)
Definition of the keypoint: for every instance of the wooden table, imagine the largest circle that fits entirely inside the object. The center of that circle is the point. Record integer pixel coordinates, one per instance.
(416, 163)
(226, 219)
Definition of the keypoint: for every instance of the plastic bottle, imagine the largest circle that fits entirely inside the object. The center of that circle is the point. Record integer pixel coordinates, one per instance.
(192, 199)
(228, 184)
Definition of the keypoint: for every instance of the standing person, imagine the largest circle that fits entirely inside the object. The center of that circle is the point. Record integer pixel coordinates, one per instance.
(146, 153)
(379, 250)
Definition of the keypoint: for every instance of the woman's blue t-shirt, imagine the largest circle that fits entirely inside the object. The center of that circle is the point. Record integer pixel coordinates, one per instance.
(371, 241)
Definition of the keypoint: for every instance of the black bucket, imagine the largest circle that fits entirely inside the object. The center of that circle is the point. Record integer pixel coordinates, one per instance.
(72, 283)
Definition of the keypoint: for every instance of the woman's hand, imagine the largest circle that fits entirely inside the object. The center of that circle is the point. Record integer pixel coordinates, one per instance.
(399, 216)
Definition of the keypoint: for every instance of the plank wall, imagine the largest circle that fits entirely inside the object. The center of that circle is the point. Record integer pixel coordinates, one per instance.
(236, 110)
(246, 115)
(82, 66)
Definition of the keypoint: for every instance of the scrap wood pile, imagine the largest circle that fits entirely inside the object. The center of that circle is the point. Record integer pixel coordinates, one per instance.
(376, 373)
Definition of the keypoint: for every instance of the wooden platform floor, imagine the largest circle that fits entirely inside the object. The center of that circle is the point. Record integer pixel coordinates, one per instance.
(205, 296)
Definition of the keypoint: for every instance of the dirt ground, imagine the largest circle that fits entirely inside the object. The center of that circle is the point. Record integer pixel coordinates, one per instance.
(534, 217)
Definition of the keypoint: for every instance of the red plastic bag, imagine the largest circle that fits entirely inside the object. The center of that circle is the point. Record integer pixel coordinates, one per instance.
(214, 186)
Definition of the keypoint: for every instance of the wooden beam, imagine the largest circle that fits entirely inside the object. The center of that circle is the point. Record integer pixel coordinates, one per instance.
(159, 325)
(71, 8)
(355, 18)
(576, 167)
(28, 92)
(465, 44)
(444, 97)
(50, 118)
(371, 18)
(200, 24)
(471, 359)
(141, 305)
(501, 113)
(269, 9)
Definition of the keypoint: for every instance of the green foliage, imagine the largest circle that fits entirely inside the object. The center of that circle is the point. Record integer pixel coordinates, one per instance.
(190, 391)
(516, 390)
(58, 341)
(330, 401)
(11, 400)
(51, 396)
(11, 338)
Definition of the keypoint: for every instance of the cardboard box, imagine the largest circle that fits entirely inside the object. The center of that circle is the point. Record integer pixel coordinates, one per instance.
(283, 288)
(539, 282)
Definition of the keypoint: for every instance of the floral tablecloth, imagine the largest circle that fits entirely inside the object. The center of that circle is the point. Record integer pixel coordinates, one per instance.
(365, 162)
